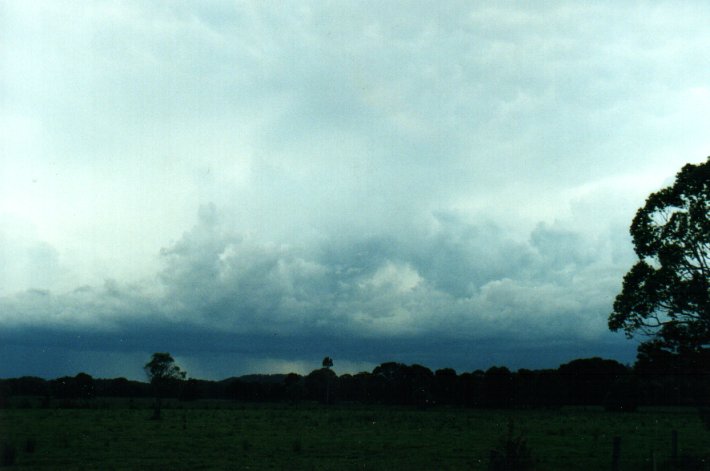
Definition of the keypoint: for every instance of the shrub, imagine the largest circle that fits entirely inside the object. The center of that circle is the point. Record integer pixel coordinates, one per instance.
(512, 453)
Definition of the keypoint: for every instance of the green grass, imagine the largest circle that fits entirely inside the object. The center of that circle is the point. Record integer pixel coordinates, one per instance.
(235, 436)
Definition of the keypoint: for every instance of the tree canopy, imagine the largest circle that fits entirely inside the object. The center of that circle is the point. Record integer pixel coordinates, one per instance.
(162, 367)
(162, 372)
(666, 294)
(327, 362)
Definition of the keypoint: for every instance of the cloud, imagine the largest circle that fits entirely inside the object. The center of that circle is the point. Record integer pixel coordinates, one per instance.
(28, 263)
(378, 173)
(220, 291)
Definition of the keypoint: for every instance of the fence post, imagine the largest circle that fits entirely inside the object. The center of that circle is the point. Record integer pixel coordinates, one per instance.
(616, 454)
(674, 444)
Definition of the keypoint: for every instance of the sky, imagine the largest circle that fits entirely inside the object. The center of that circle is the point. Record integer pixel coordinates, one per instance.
(252, 186)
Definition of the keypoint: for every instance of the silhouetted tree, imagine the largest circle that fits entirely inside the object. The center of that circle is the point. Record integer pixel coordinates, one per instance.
(320, 385)
(445, 382)
(590, 380)
(498, 387)
(70, 388)
(673, 379)
(419, 382)
(359, 387)
(85, 386)
(29, 386)
(63, 387)
(470, 388)
(327, 364)
(121, 387)
(396, 383)
(539, 388)
(163, 374)
(666, 294)
(294, 388)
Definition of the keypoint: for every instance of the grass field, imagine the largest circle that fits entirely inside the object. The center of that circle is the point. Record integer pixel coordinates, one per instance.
(224, 435)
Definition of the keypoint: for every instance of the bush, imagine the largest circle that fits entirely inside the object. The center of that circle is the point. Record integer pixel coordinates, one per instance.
(512, 453)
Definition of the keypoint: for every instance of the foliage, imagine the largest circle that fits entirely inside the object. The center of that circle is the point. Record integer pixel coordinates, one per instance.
(320, 385)
(162, 367)
(666, 294)
(498, 387)
(80, 386)
(396, 383)
(588, 381)
(163, 374)
(655, 380)
(327, 362)
(294, 390)
(512, 452)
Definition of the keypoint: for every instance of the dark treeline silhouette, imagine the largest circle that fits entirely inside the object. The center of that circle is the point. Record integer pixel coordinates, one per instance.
(592, 381)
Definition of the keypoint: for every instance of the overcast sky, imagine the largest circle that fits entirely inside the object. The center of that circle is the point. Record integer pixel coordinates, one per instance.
(252, 186)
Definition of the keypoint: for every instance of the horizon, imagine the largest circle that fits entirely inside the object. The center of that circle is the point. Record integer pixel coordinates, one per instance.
(144, 378)
(252, 188)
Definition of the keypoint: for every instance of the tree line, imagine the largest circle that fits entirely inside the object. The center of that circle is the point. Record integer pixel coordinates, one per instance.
(591, 381)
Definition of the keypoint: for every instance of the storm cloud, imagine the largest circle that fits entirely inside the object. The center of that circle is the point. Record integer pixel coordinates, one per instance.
(252, 188)
(454, 291)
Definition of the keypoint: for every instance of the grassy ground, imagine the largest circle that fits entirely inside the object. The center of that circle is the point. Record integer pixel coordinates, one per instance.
(232, 436)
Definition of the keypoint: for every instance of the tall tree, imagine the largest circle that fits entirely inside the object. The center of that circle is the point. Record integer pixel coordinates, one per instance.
(666, 294)
(162, 373)
(327, 362)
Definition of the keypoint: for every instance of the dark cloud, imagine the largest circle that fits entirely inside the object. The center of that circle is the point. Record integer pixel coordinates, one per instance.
(463, 293)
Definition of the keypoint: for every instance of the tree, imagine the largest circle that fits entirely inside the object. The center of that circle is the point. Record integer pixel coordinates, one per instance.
(85, 386)
(319, 384)
(327, 364)
(498, 387)
(666, 294)
(294, 389)
(588, 381)
(162, 373)
(445, 385)
(69, 388)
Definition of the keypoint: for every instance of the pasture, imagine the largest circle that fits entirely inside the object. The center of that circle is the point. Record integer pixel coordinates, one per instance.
(118, 435)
